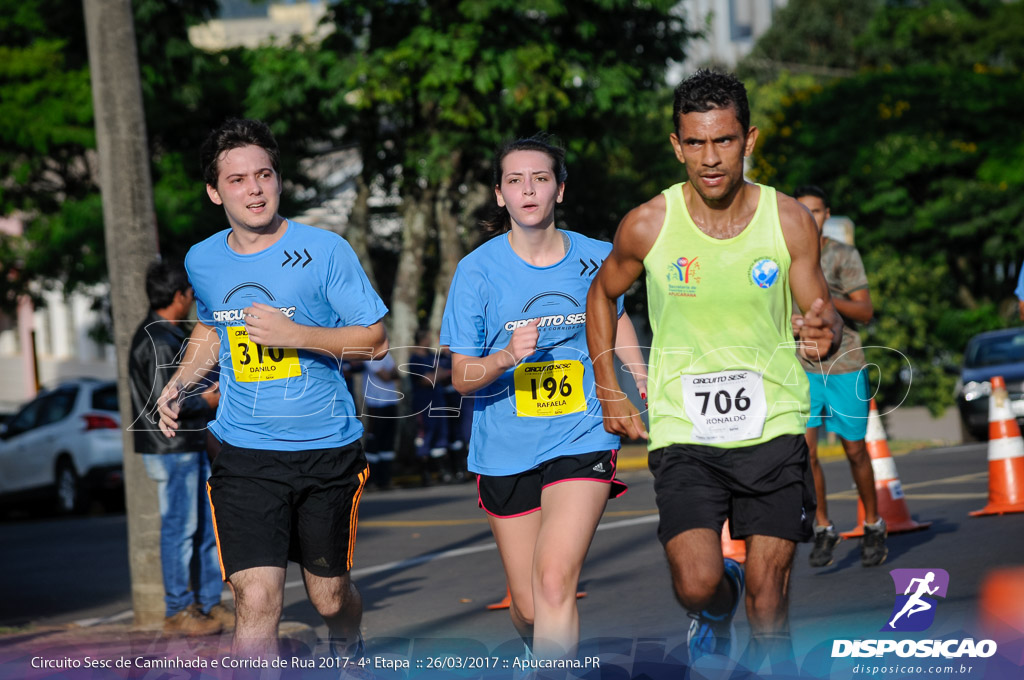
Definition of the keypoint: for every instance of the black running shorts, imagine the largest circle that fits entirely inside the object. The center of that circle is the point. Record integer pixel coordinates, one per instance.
(515, 495)
(273, 506)
(766, 489)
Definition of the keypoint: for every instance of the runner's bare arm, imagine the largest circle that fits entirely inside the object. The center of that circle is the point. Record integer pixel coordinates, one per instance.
(200, 358)
(268, 326)
(633, 240)
(858, 308)
(627, 349)
(470, 373)
(820, 327)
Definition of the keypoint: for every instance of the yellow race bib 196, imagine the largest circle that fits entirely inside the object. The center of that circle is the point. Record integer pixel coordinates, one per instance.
(253, 363)
(551, 388)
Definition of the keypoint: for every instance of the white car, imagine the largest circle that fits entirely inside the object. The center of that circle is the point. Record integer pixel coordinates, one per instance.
(65, 443)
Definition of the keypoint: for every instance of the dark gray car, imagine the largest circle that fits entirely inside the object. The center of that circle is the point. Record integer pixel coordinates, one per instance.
(988, 355)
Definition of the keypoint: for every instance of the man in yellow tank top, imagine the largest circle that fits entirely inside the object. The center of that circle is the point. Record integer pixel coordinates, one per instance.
(728, 398)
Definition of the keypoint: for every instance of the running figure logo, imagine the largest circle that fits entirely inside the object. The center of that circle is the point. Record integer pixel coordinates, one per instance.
(914, 610)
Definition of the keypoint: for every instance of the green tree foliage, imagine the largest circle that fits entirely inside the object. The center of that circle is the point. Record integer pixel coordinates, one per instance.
(833, 38)
(438, 86)
(911, 364)
(925, 160)
(46, 106)
(918, 142)
(811, 36)
(48, 169)
(186, 93)
(966, 34)
(428, 90)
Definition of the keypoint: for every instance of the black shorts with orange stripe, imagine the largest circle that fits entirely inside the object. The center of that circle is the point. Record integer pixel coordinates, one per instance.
(270, 507)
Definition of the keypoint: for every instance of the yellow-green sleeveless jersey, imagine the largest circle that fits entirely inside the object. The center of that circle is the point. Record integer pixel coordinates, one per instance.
(723, 370)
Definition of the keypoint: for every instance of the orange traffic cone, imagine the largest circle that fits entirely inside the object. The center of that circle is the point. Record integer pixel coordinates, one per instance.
(506, 602)
(1001, 610)
(892, 506)
(1005, 456)
(736, 550)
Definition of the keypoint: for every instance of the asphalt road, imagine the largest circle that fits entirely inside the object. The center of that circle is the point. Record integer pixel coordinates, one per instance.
(427, 567)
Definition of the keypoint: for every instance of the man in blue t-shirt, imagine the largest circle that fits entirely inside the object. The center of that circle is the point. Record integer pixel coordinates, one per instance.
(280, 306)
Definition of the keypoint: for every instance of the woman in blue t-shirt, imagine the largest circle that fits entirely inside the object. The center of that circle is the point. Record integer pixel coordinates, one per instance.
(515, 323)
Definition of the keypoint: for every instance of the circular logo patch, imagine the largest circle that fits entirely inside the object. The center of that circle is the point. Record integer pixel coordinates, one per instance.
(765, 273)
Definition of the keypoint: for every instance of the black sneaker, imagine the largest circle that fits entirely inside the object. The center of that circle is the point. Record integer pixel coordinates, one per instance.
(825, 541)
(872, 547)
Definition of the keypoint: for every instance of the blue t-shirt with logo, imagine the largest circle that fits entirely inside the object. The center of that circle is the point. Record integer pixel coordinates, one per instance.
(282, 398)
(545, 406)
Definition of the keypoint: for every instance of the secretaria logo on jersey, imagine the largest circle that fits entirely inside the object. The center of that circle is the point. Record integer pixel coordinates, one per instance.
(683, 276)
(764, 272)
(914, 611)
(549, 309)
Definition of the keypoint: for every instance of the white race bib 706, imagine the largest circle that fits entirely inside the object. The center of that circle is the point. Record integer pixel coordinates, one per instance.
(725, 407)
